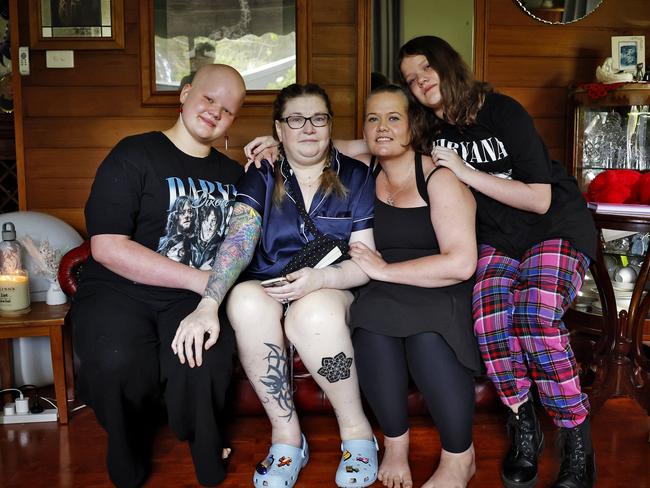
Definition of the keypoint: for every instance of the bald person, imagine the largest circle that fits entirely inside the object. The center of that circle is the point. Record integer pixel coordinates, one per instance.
(145, 208)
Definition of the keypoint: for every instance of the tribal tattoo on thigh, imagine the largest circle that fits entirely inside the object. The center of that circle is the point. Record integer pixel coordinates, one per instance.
(336, 368)
(277, 380)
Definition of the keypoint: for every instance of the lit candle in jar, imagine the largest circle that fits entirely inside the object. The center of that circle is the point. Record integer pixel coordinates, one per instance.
(14, 293)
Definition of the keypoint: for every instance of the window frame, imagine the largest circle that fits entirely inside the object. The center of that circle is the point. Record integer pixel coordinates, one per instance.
(151, 97)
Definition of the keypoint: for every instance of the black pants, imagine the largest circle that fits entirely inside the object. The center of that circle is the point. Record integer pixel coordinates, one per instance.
(123, 342)
(383, 365)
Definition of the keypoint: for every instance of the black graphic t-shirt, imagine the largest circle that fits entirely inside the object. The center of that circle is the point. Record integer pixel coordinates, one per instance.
(175, 204)
(504, 143)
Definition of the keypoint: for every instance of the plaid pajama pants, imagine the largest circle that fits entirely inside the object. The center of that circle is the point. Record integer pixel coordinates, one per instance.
(517, 309)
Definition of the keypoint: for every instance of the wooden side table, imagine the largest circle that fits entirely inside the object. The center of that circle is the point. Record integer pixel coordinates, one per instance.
(619, 362)
(42, 320)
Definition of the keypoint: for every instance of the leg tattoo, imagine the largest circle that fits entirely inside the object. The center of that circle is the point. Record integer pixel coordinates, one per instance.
(336, 368)
(277, 380)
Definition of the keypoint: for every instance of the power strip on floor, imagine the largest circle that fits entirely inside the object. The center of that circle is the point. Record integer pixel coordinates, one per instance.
(47, 415)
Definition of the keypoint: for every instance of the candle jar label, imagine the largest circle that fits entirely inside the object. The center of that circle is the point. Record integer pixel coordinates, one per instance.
(14, 293)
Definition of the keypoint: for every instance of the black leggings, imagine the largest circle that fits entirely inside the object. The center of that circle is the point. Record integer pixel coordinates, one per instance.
(127, 365)
(383, 365)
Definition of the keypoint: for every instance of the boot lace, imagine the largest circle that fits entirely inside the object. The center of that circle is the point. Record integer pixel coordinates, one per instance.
(522, 430)
(573, 453)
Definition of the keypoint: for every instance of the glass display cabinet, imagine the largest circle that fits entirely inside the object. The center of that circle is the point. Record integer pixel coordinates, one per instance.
(611, 132)
(610, 319)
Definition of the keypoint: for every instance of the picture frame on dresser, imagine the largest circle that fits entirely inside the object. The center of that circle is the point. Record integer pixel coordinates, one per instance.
(628, 52)
(80, 24)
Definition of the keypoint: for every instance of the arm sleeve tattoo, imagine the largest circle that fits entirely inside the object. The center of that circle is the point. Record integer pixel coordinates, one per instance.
(235, 252)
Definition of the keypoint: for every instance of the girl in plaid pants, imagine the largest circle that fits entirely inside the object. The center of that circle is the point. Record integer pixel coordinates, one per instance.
(536, 237)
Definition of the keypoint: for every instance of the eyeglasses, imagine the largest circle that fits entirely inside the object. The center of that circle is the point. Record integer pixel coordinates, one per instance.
(299, 121)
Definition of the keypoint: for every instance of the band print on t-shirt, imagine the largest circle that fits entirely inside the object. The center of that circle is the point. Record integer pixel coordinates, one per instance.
(480, 152)
(197, 220)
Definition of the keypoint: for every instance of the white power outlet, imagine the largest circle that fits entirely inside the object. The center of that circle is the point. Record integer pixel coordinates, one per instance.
(47, 415)
(59, 59)
(23, 60)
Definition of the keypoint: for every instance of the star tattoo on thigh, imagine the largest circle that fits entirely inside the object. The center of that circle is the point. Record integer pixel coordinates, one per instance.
(336, 368)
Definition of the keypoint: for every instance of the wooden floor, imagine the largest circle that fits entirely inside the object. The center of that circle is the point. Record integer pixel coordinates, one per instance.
(49, 455)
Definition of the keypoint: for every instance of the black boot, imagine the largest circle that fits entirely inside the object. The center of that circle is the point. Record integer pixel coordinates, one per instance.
(578, 469)
(519, 468)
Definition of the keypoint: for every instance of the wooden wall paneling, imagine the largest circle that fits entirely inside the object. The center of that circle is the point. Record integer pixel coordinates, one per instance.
(72, 216)
(87, 101)
(480, 26)
(105, 132)
(344, 127)
(66, 192)
(16, 85)
(539, 101)
(340, 59)
(552, 131)
(343, 99)
(333, 11)
(539, 71)
(566, 41)
(303, 37)
(364, 56)
(114, 70)
(339, 70)
(334, 39)
(53, 162)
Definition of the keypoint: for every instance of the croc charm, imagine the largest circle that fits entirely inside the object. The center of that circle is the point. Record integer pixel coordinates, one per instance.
(284, 461)
(358, 466)
(263, 466)
(282, 465)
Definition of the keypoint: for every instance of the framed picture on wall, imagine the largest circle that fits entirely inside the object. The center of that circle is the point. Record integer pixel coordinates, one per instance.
(628, 52)
(76, 24)
(259, 38)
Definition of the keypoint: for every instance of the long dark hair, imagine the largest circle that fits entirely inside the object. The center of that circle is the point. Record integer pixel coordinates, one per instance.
(330, 182)
(419, 130)
(462, 95)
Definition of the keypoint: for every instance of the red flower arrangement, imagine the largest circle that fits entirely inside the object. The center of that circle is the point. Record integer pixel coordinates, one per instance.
(599, 90)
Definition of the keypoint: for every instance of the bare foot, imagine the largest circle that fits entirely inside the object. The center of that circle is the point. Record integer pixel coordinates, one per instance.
(225, 452)
(394, 471)
(454, 470)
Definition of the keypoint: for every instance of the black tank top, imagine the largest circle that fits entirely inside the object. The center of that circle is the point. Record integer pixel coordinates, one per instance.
(397, 310)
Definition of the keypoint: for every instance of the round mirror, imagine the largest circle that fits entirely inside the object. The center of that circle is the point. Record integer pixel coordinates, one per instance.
(559, 11)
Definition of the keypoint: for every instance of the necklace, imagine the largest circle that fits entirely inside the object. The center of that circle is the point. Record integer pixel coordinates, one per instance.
(308, 182)
(390, 198)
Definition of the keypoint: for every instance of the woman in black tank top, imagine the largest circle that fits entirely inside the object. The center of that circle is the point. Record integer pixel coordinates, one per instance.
(416, 311)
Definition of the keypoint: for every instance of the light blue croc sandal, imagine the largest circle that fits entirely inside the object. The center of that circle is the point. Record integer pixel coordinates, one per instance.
(281, 466)
(358, 466)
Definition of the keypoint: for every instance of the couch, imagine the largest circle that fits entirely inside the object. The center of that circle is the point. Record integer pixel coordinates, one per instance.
(308, 397)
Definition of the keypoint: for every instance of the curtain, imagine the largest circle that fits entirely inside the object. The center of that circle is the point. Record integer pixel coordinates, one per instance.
(386, 36)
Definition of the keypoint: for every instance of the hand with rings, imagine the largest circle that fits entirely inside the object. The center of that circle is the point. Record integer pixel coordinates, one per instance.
(301, 283)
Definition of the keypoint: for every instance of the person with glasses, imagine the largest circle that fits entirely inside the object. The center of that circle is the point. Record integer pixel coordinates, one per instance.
(336, 194)
(536, 239)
